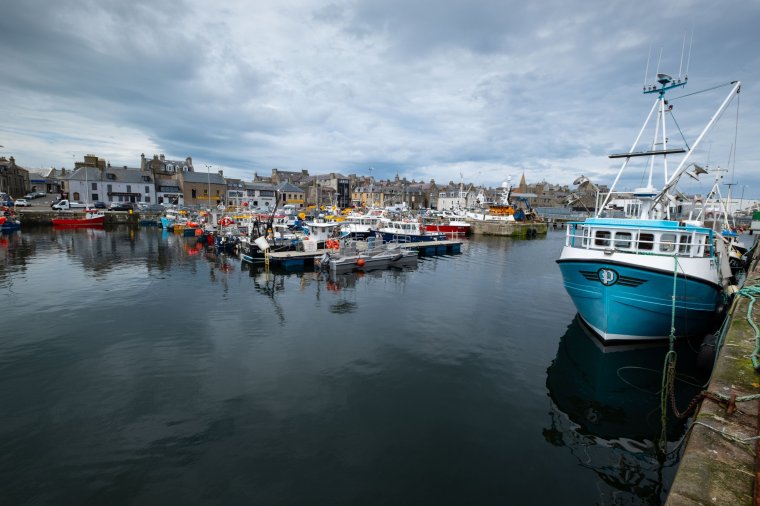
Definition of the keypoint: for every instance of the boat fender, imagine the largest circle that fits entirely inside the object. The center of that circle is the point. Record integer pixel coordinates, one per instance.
(360, 262)
(706, 355)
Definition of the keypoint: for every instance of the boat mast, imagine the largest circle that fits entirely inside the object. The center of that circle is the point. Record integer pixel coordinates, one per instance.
(684, 165)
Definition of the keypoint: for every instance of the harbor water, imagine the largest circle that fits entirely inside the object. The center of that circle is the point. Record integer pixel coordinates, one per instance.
(136, 368)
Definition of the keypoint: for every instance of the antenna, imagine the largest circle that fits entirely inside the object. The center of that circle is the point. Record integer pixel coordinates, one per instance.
(691, 42)
(683, 47)
(659, 60)
(646, 72)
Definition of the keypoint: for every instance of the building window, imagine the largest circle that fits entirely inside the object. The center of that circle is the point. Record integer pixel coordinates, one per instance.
(193, 193)
(129, 188)
(94, 186)
(95, 197)
(147, 189)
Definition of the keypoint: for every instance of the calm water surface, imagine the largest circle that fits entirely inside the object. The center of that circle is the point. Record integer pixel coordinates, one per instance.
(137, 369)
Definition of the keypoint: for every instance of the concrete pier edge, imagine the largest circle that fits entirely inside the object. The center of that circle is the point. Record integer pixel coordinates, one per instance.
(718, 464)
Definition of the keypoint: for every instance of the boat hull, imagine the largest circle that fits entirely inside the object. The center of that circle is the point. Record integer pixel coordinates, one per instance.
(405, 238)
(79, 222)
(448, 229)
(10, 226)
(383, 260)
(624, 302)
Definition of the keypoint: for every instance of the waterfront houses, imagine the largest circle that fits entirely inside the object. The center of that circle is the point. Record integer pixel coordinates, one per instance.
(161, 180)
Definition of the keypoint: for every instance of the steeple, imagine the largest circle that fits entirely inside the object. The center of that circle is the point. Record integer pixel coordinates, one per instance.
(523, 186)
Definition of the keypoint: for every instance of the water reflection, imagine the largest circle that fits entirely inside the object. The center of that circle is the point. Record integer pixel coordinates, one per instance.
(605, 409)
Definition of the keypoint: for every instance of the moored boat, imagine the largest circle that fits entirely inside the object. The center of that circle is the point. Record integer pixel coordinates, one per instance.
(408, 231)
(9, 222)
(649, 277)
(90, 218)
(448, 226)
(366, 256)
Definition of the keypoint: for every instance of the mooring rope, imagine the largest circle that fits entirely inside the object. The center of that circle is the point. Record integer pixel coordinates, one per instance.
(668, 383)
(669, 367)
(750, 292)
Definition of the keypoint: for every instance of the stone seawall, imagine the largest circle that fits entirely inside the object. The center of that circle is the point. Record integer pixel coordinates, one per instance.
(719, 463)
(509, 228)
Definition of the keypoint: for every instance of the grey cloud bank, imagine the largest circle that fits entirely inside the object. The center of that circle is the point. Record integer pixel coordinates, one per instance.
(482, 90)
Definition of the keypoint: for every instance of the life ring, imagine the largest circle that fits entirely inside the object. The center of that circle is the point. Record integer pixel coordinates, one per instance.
(332, 244)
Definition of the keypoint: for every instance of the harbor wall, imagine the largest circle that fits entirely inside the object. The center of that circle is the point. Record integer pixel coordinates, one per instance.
(719, 462)
(509, 228)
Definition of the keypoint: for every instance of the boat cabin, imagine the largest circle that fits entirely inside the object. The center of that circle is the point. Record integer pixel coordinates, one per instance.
(668, 238)
(402, 227)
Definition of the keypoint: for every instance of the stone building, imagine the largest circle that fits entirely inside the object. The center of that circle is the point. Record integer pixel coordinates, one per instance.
(327, 190)
(205, 190)
(14, 179)
(160, 166)
(289, 193)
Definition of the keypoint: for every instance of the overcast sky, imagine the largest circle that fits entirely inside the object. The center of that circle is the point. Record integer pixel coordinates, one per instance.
(477, 89)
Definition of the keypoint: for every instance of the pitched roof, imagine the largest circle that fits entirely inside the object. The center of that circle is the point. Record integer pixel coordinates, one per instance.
(109, 174)
(288, 187)
(200, 177)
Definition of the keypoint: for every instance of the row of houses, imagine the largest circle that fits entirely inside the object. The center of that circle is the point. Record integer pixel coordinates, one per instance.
(159, 180)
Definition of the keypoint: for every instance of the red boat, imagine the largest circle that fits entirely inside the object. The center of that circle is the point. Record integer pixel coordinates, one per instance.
(449, 227)
(91, 217)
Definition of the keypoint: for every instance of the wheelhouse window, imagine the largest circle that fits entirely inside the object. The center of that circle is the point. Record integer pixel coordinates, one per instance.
(586, 236)
(602, 238)
(668, 243)
(623, 240)
(646, 242)
(684, 246)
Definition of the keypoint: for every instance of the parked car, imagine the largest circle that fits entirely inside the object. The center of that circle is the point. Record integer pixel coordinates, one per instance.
(123, 206)
(99, 205)
(30, 196)
(22, 203)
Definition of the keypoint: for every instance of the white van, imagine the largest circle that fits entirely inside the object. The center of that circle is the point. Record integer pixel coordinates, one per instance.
(68, 204)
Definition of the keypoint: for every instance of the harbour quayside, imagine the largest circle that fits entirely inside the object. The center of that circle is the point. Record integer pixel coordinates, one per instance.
(650, 277)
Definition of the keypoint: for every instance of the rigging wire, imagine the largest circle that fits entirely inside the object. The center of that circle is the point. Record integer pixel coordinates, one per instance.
(686, 143)
(702, 91)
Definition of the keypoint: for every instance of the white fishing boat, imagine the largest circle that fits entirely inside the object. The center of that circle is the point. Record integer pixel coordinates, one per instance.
(367, 255)
(649, 277)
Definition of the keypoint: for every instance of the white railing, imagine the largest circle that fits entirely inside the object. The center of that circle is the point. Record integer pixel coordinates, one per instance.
(644, 241)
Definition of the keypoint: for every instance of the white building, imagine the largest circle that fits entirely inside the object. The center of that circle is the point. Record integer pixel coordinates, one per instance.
(92, 184)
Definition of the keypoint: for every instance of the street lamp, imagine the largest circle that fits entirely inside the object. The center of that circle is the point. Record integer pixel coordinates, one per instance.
(208, 178)
(371, 187)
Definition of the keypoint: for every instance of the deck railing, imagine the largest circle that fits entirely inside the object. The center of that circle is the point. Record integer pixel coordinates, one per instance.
(665, 241)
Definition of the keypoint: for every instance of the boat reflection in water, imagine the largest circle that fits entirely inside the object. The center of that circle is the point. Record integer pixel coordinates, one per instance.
(342, 286)
(605, 408)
